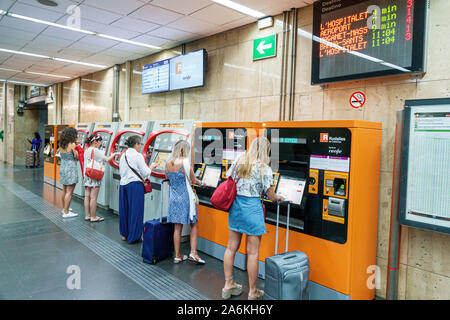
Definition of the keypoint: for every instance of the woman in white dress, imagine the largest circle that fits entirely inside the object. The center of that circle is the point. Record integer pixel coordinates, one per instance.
(92, 187)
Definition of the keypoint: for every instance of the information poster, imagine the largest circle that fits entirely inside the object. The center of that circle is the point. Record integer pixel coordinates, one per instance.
(426, 193)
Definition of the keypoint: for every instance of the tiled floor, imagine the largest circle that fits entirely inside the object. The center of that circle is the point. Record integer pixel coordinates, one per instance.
(36, 250)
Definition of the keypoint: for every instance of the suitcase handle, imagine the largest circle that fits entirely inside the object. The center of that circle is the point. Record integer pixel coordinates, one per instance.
(162, 198)
(287, 225)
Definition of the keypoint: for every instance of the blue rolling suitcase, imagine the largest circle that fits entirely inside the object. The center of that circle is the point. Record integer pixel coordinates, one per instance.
(158, 236)
(287, 274)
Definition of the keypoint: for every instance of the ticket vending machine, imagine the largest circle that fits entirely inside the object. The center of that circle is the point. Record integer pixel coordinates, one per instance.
(216, 146)
(329, 171)
(49, 154)
(59, 130)
(157, 149)
(84, 130)
(125, 130)
(107, 130)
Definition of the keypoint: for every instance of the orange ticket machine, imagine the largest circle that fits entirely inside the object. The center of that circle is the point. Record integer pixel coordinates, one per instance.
(329, 171)
(216, 146)
(49, 154)
(59, 130)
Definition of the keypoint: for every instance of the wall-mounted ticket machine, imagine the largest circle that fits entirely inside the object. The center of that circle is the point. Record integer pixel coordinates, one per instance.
(157, 149)
(49, 154)
(216, 147)
(107, 130)
(59, 130)
(83, 130)
(329, 171)
(125, 130)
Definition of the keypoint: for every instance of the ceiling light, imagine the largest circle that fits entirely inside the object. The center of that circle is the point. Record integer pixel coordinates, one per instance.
(5, 69)
(47, 74)
(127, 41)
(79, 62)
(26, 83)
(18, 16)
(25, 53)
(239, 7)
(48, 23)
(53, 58)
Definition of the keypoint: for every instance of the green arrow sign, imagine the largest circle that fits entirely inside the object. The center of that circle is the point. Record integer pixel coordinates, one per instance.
(265, 47)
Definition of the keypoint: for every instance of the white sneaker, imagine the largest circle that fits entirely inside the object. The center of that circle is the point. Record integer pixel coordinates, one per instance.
(69, 214)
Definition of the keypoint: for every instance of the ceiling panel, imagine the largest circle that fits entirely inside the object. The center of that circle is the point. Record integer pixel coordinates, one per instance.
(172, 34)
(133, 24)
(151, 40)
(35, 12)
(183, 7)
(98, 15)
(73, 53)
(63, 34)
(156, 14)
(6, 4)
(62, 6)
(19, 24)
(216, 14)
(117, 6)
(192, 25)
(6, 74)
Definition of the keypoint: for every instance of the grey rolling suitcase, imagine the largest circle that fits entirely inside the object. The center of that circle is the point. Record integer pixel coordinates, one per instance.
(30, 159)
(287, 274)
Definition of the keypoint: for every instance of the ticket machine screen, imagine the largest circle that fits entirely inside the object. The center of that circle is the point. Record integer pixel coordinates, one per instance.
(160, 160)
(292, 189)
(106, 139)
(82, 138)
(121, 146)
(211, 176)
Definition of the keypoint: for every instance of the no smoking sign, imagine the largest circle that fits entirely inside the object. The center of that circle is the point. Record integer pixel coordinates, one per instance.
(357, 100)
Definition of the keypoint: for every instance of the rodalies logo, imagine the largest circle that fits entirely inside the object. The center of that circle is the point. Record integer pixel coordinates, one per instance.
(324, 137)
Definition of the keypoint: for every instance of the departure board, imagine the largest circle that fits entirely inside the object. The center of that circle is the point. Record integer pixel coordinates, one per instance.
(155, 77)
(356, 39)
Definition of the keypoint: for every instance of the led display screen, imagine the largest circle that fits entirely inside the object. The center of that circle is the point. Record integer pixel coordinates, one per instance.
(354, 39)
(188, 70)
(155, 77)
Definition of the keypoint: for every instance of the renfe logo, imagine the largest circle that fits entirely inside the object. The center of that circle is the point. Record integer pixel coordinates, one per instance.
(324, 137)
(179, 68)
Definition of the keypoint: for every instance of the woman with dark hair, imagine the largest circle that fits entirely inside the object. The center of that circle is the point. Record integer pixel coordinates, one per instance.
(133, 172)
(92, 186)
(68, 170)
(36, 145)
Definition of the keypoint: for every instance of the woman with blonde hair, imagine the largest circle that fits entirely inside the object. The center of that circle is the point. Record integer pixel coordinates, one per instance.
(182, 207)
(253, 176)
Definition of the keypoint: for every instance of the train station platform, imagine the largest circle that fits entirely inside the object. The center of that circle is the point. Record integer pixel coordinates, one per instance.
(40, 252)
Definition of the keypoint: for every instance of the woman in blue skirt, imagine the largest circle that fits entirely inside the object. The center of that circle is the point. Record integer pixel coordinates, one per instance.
(254, 176)
(182, 201)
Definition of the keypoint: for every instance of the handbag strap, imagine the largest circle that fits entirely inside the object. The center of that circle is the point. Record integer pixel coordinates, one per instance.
(132, 169)
(92, 158)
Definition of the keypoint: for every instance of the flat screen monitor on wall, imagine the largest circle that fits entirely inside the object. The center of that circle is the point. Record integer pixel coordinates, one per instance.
(357, 39)
(155, 77)
(188, 70)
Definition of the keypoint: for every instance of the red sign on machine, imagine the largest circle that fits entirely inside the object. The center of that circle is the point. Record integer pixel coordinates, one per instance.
(357, 100)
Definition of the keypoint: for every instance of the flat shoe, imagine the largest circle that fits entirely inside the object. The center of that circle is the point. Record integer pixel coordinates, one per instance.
(199, 261)
(99, 219)
(258, 297)
(227, 293)
(178, 260)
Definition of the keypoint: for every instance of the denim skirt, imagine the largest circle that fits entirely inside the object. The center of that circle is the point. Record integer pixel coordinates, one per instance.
(246, 216)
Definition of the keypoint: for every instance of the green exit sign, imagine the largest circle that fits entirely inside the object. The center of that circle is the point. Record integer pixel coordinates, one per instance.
(265, 47)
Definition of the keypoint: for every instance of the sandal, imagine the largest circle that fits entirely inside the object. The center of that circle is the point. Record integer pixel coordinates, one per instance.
(258, 297)
(99, 219)
(197, 261)
(178, 260)
(87, 219)
(227, 293)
